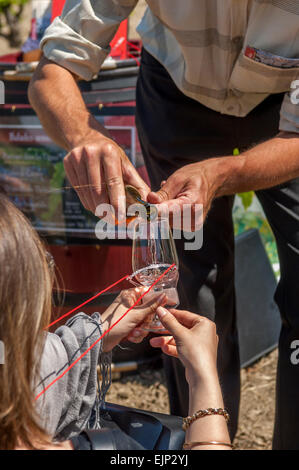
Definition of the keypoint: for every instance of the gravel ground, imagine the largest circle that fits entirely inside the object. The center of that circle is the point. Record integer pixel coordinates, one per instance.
(148, 391)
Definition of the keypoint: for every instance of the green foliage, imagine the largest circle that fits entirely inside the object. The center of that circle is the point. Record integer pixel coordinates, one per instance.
(55, 198)
(10, 15)
(6, 4)
(248, 219)
(246, 199)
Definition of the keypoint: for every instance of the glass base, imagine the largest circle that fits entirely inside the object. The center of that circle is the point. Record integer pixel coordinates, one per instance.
(155, 326)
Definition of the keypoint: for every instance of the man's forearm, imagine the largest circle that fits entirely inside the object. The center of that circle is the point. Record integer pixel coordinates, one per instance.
(95, 165)
(57, 100)
(264, 166)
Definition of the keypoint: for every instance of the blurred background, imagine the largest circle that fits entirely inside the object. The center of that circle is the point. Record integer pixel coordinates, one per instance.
(31, 171)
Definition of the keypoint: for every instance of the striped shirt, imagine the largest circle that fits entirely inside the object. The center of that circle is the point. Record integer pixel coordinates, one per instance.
(227, 54)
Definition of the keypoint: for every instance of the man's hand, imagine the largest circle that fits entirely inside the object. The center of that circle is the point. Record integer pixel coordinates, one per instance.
(98, 171)
(268, 164)
(95, 165)
(192, 184)
(94, 159)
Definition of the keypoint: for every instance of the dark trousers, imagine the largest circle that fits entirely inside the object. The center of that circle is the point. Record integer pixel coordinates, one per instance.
(174, 131)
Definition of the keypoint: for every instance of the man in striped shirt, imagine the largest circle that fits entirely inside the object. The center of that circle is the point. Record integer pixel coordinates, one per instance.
(215, 75)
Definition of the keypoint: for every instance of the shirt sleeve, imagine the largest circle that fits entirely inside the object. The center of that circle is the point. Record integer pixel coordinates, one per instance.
(289, 114)
(79, 39)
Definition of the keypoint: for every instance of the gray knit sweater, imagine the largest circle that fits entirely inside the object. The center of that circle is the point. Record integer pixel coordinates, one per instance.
(66, 407)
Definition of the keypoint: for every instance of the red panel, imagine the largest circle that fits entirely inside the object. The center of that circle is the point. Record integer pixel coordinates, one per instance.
(57, 8)
(11, 58)
(119, 45)
(89, 269)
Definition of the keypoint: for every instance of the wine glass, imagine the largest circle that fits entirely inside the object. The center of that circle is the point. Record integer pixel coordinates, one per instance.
(155, 263)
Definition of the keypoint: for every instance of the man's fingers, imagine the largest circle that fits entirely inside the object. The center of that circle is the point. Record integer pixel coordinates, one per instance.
(112, 166)
(99, 176)
(159, 196)
(98, 172)
(96, 181)
(75, 182)
(174, 210)
(132, 177)
(170, 190)
(183, 212)
(85, 188)
(83, 169)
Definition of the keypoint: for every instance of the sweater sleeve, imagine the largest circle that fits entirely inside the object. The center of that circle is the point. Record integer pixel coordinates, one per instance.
(70, 360)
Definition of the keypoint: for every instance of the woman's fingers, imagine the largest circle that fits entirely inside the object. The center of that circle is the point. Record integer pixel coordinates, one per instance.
(166, 343)
(137, 335)
(130, 296)
(159, 341)
(170, 322)
(149, 309)
(140, 313)
(186, 318)
(170, 350)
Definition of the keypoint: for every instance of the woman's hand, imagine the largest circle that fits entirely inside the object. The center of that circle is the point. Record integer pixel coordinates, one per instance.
(194, 341)
(127, 327)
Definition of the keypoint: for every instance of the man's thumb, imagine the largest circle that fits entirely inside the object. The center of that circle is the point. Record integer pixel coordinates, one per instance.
(167, 192)
(169, 322)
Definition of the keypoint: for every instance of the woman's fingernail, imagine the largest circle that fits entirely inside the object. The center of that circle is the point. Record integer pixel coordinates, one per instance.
(161, 311)
(136, 333)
